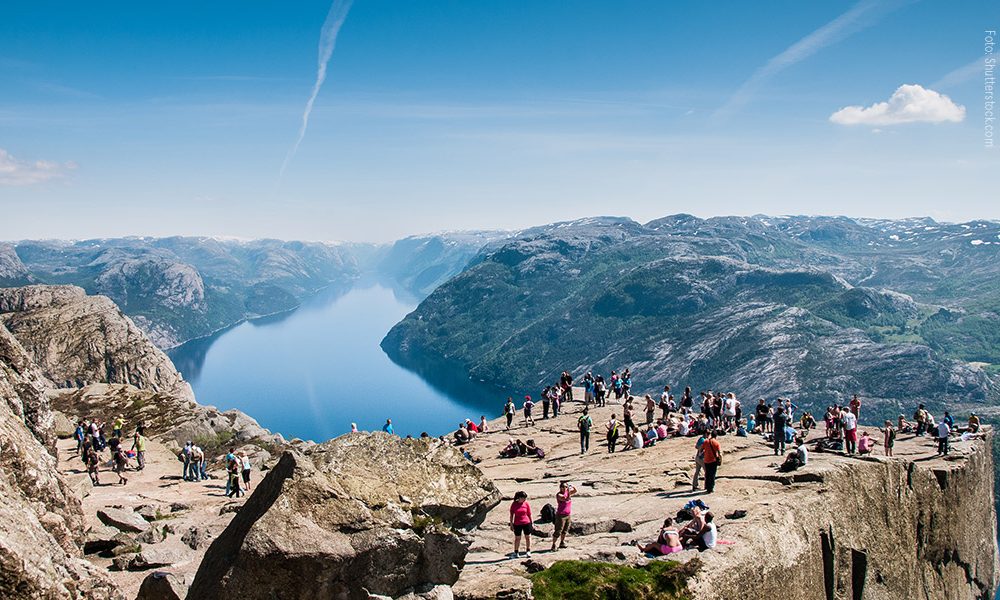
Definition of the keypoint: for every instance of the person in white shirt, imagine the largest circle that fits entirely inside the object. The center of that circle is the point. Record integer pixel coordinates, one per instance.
(709, 534)
(637, 440)
(850, 431)
(943, 432)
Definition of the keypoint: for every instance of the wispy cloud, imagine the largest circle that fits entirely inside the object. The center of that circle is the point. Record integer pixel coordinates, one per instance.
(908, 104)
(327, 41)
(14, 172)
(963, 74)
(862, 15)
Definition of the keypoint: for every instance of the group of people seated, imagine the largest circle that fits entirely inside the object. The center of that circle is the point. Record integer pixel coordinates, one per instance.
(468, 431)
(699, 533)
(516, 448)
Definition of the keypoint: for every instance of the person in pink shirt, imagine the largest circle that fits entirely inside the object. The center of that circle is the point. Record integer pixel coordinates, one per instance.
(520, 523)
(564, 507)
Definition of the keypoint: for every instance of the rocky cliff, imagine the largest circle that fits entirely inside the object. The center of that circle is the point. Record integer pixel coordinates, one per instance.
(76, 339)
(40, 517)
(841, 528)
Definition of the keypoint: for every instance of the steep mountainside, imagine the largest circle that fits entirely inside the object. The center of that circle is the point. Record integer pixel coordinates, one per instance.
(40, 517)
(12, 270)
(419, 264)
(96, 342)
(728, 303)
(182, 287)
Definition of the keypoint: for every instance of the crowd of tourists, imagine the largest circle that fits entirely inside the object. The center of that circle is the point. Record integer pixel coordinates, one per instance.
(92, 441)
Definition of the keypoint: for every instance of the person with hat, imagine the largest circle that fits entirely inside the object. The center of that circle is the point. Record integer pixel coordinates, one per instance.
(527, 411)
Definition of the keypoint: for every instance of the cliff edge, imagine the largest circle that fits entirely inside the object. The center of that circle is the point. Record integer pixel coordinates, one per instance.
(917, 525)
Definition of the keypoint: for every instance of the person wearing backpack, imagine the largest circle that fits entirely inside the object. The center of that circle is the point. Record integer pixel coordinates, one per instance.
(584, 423)
(508, 411)
(612, 428)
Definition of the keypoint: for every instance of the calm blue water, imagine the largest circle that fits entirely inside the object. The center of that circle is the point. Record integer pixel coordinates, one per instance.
(312, 372)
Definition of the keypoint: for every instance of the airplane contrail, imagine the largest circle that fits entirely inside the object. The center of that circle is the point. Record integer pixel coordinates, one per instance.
(327, 41)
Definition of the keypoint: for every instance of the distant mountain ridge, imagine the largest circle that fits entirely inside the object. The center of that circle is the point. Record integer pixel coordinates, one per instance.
(812, 307)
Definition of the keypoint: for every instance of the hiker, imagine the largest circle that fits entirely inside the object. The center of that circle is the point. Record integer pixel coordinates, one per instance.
(888, 437)
(520, 523)
(588, 389)
(388, 427)
(197, 470)
(78, 435)
(233, 488)
(667, 542)
(245, 463)
(230, 461)
(528, 404)
(686, 401)
(556, 399)
(119, 424)
(920, 416)
(664, 402)
(139, 446)
(508, 411)
(699, 461)
(903, 426)
(850, 422)
(730, 405)
(690, 532)
(865, 443)
(713, 458)
(612, 435)
(566, 382)
(93, 462)
(779, 423)
(461, 435)
(627, 416)
(483, 427)
(708, 535)
(564, 506)
(546, 401)
(121, 462)
(650, 408)
(473, 429)
(584, 424)
(600, 390)
(855, 406)
(943, 433)
(185, 457)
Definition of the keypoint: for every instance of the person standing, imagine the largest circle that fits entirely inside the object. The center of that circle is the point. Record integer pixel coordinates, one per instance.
(713, 459)
(116, 428)
(699, 460)
(388, 427)
(528, 404)
(850, 431)
(508, 411)
(943, 431)
(186, 459)
(564, 506)
(93, 464)
(584, 424)
(520, 523)
(79, 436)
(627, 415)
(197, 470)
(650, 409)
(612, 428)
(234, 479)
(920, 416)
(245, 463)
(856, 406)
(588, 389)
(888, 438)
(779, 431)
(121, 461)
(546, 401)
(139, 446)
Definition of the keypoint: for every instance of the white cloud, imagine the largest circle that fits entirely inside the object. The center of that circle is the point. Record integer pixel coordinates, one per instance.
(862, 15)
(20, 172)
(910, 103)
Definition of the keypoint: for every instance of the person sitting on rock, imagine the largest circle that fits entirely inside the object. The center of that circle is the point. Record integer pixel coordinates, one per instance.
(510, 450)
(903, 426)
(708, 536)
(483, 427)
(532, 450)
(635, 440)
(667, 542)
(865, 443)
(661, 430)
(792, 462)
(692, 530)
(462, 435)
(651, 436)
(973, 423)
(472, 427)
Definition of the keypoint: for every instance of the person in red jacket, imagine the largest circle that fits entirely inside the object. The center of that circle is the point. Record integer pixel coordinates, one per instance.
(520, 523)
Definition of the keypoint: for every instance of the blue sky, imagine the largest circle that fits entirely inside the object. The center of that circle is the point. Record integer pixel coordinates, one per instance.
(128, 118)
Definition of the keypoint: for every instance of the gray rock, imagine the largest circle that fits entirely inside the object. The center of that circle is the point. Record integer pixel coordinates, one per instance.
(160, 585)
(355, 538)
(103, 538)
(125, 520)
(196, 537)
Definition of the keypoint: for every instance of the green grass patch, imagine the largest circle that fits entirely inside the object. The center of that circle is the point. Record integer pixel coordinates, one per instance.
(583, 580)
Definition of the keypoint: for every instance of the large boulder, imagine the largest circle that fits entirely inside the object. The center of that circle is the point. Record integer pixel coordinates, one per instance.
(362, 514)
(160, 585)
(124, 520)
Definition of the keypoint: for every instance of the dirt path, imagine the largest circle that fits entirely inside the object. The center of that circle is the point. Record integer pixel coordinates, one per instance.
(181, 506)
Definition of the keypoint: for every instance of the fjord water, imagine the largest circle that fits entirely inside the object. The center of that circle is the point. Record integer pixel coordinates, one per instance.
(311, 372)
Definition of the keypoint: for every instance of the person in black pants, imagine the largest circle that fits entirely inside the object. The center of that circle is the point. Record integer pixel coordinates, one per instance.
(780, 421)
(713, 458)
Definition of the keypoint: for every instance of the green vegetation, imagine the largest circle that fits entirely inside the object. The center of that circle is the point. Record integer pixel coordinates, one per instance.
(582, 580)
